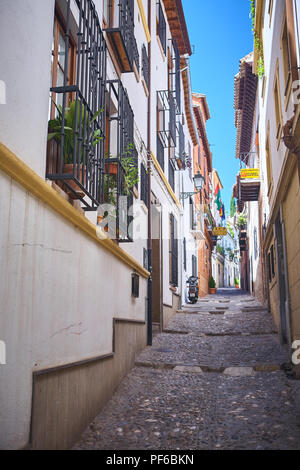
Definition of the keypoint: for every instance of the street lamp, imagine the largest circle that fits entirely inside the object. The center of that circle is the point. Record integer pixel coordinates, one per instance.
(198, 182)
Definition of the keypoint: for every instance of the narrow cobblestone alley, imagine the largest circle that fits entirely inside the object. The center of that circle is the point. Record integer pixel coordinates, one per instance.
(212, 380)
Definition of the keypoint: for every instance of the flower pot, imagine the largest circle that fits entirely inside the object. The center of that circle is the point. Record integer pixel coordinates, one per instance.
(68, 170)
(99, 220)
(111, 168)
(212, 290)
(237, 286)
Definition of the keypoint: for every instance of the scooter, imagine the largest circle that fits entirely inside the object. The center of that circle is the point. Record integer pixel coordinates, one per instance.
(193, 292)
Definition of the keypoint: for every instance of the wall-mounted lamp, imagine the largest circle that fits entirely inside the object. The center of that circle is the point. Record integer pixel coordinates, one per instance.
(198, 182)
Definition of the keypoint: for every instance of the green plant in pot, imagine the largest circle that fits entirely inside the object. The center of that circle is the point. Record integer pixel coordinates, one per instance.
(55, 127)
(129, 176)
(242, 221)
(212, 285)
(236, 283)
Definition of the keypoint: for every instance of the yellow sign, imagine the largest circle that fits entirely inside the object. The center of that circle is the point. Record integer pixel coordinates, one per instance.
(219, 231)
(250, 173)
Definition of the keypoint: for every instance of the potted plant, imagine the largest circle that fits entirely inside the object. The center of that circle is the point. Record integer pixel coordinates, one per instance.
(129, 178)
(236, 283)
(212, 285)
(241, 223)
(55, 130)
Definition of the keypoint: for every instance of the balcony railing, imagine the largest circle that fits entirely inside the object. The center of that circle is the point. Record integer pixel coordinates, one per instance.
(121, 35)
(121, 152)
(176, 75)
(75, 159)
(249, 179)
(167, 118)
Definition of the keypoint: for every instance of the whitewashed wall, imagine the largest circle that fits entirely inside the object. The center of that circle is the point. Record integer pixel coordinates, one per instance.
(59, 289)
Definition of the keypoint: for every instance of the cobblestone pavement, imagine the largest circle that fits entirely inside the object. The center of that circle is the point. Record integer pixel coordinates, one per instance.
(210, 381)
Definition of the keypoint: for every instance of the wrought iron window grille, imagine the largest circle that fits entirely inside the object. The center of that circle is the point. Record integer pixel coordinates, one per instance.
(174, 251)
(160, 152)
(121, 154)
(180, 158)
(171, 175)
(79, 128)
(161, 28)
(122, 36)
(176, 75)
(145, 66)
(167, 121)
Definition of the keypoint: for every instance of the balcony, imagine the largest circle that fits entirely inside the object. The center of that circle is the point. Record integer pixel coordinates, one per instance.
(76, 130)
(120, 33)
(249, 179)
(166, 118)
(180, 153)
(121, 158)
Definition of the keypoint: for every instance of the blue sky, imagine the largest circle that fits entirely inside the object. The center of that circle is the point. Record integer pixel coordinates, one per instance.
(221, 33)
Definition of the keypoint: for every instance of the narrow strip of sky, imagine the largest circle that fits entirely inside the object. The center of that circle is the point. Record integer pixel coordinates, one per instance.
(221, 34)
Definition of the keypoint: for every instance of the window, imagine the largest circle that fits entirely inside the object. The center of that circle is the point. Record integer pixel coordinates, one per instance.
(145, 66)
(270, 10)
(271, 264)
(171, 175)
(272, 261)
(160, 153)
(194, 266)
(269, 164)
(108, 12)
(161, 28)
(286, 58)
(173, 252)
(255, 243)
(184, 254)
(192, 219)
(277, 102)
(144, 185)
(73, 161)
(58, 65)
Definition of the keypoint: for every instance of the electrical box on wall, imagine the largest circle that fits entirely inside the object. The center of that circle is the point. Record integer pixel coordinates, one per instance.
(135, 285)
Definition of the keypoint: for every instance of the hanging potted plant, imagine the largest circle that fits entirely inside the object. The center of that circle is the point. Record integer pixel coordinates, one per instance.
(55, 131)
(212, 285)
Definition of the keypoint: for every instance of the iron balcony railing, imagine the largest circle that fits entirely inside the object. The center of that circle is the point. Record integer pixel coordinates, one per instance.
(121, 150)
(145, 66)
(176, 75)
(78, 130)
(166, 118)
(121, 33)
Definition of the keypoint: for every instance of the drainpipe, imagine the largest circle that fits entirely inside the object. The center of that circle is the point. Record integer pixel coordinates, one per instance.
(149, 243)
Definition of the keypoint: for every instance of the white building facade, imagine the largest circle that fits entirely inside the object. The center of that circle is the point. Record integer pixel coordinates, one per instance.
(74, 276)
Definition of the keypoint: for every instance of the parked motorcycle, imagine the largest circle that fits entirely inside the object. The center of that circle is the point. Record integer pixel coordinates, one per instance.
(193, 291)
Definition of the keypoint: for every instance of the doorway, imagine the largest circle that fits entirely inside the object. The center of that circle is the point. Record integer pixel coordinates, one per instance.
(156, 227)
(282, 273)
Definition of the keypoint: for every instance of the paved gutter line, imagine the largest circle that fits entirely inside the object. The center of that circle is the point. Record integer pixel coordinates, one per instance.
(239, 333)
(207, 369)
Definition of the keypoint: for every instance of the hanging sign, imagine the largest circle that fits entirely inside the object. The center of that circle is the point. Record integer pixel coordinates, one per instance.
(250, 173)
(219, 231)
